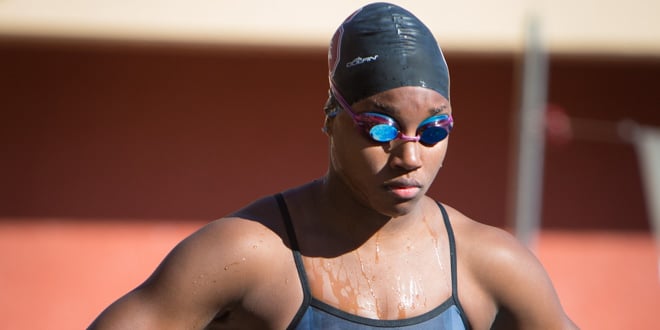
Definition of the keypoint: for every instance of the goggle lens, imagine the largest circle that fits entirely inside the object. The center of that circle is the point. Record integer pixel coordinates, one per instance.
(383, 133)
(435, 129)
(433, 135)
(383, 129)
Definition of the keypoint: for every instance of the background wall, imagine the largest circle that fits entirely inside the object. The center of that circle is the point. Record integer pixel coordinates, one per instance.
(574, 26)
(131, 130)
(126, 125)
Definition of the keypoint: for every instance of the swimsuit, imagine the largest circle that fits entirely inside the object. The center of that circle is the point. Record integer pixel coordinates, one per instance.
(315, 314)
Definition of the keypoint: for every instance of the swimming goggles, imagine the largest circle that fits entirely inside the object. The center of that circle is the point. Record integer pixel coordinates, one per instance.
(381, 128)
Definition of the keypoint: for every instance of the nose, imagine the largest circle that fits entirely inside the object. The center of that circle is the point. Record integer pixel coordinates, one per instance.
(406, 155)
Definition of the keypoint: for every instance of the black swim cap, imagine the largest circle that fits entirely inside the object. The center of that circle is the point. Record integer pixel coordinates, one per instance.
(383, 46)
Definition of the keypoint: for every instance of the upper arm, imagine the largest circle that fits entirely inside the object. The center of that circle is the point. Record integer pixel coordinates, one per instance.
(518, 284)
(205, 273)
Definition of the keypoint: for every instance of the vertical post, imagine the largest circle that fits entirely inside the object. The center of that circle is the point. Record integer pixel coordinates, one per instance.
(528, 173)
(647, 144)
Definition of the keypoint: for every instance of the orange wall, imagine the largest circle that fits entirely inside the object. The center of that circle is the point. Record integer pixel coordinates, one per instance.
(112, 130)
(68, 271)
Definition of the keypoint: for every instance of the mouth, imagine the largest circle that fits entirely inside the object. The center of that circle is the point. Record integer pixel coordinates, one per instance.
(404, 189)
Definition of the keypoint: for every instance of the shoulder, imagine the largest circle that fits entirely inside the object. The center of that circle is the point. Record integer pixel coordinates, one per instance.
(234, 249)
(492, 256)
(245, 238)
(507, 274)
(217, 269)
(477, 240)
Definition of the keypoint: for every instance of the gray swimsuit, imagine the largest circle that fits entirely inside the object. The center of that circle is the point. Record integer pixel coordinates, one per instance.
(315, 314)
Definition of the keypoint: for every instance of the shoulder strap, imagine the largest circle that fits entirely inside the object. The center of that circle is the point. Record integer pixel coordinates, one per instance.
(286, 217)
(452, 256)
(291, 233)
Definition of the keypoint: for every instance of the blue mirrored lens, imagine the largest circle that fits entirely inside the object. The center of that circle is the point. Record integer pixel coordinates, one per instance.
(383, 133)
(433, 135)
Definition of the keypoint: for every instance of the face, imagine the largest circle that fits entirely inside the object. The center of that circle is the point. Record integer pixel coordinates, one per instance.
(389, 177)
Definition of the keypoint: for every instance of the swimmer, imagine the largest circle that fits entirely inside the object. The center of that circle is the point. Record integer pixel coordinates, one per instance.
(363, 246)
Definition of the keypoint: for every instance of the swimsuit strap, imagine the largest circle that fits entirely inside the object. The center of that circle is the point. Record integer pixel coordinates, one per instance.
(286, 216)
(291, 233)
(452, 255)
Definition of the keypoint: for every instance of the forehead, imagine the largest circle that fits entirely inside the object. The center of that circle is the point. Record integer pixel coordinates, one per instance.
(402, 100)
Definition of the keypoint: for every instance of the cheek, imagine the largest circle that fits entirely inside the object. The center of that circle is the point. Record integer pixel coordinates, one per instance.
(435, 159)
(437, 154)
(442, 152)
(350, 152)
(356, 157)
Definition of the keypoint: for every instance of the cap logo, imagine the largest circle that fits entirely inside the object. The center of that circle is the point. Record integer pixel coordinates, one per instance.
(361, 60)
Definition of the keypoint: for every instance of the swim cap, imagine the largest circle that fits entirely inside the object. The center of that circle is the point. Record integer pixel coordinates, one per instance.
(383, 46)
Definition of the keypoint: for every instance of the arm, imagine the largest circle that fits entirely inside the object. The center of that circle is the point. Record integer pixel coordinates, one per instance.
(206, 273)
(519, 286)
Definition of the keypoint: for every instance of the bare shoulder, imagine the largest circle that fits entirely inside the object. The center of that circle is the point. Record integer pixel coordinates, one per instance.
(487, 247)
(235, 248)
(217, 268)
(504, 272)
(243, 239)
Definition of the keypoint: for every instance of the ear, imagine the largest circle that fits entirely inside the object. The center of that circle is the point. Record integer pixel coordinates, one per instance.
(327, 125)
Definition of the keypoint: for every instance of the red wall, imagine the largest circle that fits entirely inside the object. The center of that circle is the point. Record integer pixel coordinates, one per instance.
(112, 130)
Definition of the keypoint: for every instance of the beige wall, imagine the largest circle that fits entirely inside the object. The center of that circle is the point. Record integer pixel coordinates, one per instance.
(568, 26)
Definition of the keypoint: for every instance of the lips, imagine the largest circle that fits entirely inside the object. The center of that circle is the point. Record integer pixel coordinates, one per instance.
(404, 188)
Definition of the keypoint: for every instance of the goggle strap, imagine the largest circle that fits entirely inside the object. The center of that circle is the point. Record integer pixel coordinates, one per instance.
(339, 97)
(401, 136)
(408, 138)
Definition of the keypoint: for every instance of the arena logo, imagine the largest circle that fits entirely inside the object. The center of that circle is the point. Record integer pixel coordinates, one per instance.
(360, 60)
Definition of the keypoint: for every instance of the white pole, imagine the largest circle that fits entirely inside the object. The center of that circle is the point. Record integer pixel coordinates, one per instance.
(647, 145)
(531, 137)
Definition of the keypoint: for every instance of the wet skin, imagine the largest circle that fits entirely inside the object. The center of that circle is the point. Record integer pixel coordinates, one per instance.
(372, 243)
(389, 246)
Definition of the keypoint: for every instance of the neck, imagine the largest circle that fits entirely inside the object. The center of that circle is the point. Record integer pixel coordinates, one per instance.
(338, 222)
(346, 214)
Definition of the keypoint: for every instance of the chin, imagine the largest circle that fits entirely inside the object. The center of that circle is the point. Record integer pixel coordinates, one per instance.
(398, 209)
